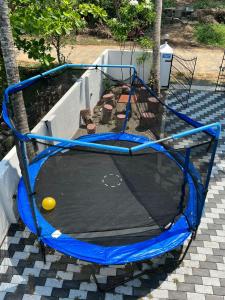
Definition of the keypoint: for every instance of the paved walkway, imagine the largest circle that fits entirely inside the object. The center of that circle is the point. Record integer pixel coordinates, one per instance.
(201, 275)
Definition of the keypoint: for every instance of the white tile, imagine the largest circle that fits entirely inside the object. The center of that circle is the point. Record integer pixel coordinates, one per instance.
(73, 268)
(184, 271)
(4, 246)
(31, 297)
(22, 234)
(64, 275)
(32, 271)
(3, 269)
(8, 287)
(208, 244)
(168, 285)
(43, 290)
(203, 289)
(77, 294)
(53, 282)
(134, 283)
(52, 258)
(10, 262)
(31, 249)
(100, 278)
(210, 281)
(84, 286)
(204, 250)
(108, 271)
(19, 279)
(83, 262)
(175, 277)
(220, 267)
(2, 295)
(191, 263)
(215, 238)
(21, 255)
(217, 274)
(11, 240)
(220, 232)
(125, 290)
(41, 265)
(160, 294)
(109, 296)
(195, 296)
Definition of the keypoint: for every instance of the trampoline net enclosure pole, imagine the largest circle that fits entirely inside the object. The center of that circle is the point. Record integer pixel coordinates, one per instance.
(30, 192)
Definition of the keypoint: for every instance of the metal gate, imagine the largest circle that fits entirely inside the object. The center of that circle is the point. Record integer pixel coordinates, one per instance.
(220, 84)
(181, 78)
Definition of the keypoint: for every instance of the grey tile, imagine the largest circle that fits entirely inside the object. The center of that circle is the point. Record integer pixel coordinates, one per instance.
(193, 279)
(186, 287)
(220, 291)
(200, 272)
(177, 295)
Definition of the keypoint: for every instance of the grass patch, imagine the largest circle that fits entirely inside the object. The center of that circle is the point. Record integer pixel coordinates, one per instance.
(211, 34)
(201, 4)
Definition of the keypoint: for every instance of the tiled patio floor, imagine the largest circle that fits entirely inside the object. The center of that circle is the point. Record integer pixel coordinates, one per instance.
(201, 275)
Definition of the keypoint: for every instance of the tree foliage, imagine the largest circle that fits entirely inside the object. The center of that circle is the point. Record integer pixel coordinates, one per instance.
(132, 21)
(39, 24)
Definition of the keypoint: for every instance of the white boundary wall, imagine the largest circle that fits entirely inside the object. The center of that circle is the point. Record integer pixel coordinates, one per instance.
(63, 120)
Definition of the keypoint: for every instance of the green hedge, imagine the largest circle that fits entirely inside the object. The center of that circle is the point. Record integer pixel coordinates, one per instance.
(211, 34)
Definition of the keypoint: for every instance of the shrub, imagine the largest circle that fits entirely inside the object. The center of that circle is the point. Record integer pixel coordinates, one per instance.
(211, 34)
(201, 4)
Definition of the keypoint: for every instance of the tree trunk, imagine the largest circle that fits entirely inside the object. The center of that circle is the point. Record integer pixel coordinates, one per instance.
(57, 43)
(12, 72)
(2, 75)
(156, 49)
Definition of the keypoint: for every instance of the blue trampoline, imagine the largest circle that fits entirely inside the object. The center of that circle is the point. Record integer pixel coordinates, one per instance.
(121, 197)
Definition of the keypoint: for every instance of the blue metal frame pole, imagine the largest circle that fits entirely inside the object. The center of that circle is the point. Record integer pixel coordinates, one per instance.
(20, 85)
(128, 106)
(79, 143)
(30, 192)
(215, 144)
(179, 135)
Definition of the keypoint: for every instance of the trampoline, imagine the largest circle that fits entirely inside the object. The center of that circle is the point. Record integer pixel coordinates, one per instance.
(121, 197)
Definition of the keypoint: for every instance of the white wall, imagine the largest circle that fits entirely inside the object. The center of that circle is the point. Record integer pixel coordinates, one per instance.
(126, 58)
(63, 121)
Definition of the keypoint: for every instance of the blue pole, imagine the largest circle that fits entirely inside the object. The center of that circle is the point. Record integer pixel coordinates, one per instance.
(128, 106)
(30, 193)
(179, 135)
(211, 165)
(20, 85)
(79, 143)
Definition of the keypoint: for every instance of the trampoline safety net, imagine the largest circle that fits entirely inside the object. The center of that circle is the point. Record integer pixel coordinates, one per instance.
(120, 186)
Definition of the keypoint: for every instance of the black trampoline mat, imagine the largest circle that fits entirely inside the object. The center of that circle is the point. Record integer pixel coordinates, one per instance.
(110, 199)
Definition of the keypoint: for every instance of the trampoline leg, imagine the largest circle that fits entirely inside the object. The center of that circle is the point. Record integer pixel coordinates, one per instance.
(187, 248)
(125, 279)
(43, 252)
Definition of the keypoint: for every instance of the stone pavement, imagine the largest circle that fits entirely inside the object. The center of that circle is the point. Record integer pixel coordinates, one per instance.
(24, 276)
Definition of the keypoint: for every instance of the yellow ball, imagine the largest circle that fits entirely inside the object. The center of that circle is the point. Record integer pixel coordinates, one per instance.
(48, 203)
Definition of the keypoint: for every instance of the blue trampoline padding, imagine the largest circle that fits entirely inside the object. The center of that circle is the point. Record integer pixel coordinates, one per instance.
(109, 255)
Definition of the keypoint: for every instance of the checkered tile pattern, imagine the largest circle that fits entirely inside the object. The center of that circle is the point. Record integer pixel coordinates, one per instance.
(23, 275)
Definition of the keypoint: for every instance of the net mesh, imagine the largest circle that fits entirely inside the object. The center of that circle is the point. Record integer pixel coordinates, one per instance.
(122, 198)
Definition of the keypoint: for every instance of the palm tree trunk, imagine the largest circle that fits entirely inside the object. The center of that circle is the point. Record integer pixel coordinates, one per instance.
(12, 72)
(156, 49)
